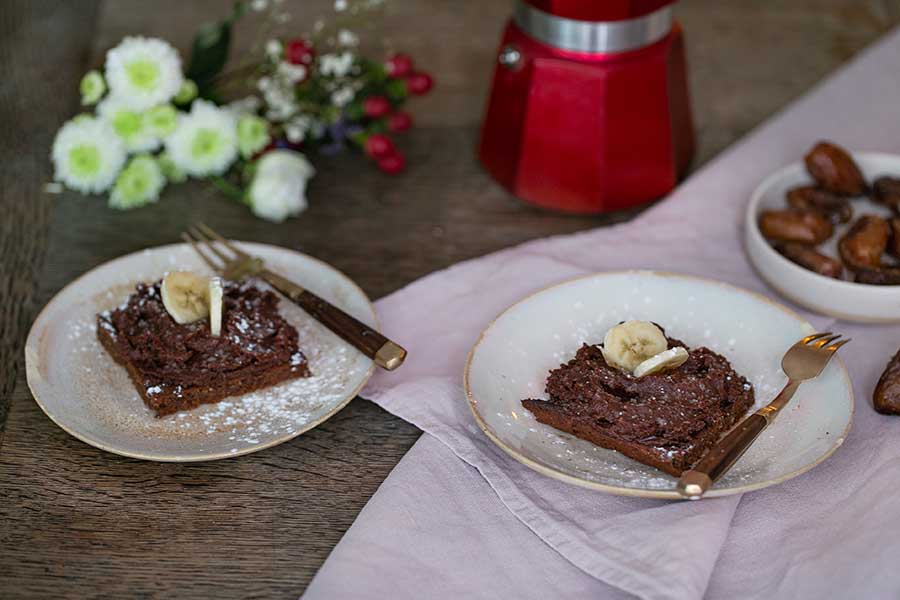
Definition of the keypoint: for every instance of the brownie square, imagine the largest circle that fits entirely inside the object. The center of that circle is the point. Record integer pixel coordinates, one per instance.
(667, 420)
(179, 367)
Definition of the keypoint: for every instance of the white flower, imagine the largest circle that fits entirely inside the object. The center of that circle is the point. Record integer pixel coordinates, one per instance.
(205, 140)
(143, 71)
(296, 129)
(340, 5)
(337, 65)
(244, 106)
(129, 123)
(291, 73)
(92, 88)
(259, 5)
(87, 155)
(343, 96)
(278, 190)
(274, 49)
(139, 183)
(346, 37)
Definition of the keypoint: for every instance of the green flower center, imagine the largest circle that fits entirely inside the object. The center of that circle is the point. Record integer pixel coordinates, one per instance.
(84, 160)
(206, 143)
(127, 123)
(143, 74)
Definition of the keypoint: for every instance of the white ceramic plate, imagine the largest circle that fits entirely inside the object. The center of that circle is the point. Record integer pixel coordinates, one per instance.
(841, 299)
(86, 393)
(512, 358)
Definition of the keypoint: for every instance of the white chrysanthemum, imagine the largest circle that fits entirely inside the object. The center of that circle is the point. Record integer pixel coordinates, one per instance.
(129, 123)
(87, 154)
(205, 140)
(139, 184)
(278, 190)
(143, 71)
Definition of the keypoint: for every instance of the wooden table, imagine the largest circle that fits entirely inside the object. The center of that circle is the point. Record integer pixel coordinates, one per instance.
(77, 522)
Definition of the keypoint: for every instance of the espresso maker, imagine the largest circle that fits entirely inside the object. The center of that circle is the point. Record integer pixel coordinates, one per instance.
(589, 109)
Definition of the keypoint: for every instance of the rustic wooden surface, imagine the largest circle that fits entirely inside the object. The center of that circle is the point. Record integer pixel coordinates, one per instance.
(77, 522)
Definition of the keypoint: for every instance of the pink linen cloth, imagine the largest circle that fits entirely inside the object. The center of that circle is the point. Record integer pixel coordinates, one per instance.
(458, 518)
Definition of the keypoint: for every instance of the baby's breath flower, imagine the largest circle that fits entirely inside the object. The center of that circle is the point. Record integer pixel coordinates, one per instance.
(296, 129)
(87, 154)
(274, 49)
(343, 96)
(161, 119)
(139, 183)
(186, 93)
(143, 71)
(244, 106)
(92, 88)
(345, 37)
(129, 123)
(292, 74)
(336, 65)
(205, 140)
(253, 135)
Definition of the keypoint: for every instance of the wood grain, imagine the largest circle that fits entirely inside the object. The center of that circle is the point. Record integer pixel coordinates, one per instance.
(78, 523)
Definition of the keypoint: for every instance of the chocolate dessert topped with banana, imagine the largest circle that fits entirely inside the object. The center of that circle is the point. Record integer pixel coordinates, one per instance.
(646, 395)
(189, 339)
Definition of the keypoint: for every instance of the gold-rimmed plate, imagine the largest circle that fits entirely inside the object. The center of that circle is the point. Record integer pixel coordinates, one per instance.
(81, 388)
(514, 354)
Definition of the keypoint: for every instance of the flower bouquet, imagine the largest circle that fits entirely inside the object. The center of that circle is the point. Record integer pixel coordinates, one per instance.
(155, 124)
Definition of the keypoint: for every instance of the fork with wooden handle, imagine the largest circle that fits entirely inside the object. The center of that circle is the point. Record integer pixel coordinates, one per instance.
(804, 360)
(236, 264)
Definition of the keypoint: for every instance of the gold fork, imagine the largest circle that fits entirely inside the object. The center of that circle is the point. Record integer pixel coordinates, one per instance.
(236, 264)
(804, 360)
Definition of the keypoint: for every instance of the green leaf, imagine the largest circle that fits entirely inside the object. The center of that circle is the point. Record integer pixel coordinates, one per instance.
(209, 52)
(354, 111)
(396, 90)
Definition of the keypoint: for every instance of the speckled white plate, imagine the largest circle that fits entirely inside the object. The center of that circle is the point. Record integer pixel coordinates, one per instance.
(514, 354)
(86, 393)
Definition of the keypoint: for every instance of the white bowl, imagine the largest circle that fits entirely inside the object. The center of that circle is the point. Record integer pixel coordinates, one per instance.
(513, 356)
(834, 297)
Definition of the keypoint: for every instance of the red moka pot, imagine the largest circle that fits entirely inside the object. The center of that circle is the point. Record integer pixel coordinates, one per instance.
(589, 109)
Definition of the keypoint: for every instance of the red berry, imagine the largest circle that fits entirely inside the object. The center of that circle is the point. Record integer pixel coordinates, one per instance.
(379, 146)
(419, 83)
(300, 52)
(392, 164)
(399, 121)
(376, 106)
(399, 65)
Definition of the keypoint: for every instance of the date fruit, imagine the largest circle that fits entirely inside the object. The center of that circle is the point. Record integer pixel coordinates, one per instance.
(833, 169)
(862, 246)
(810, 197)
(801, 226)
(887, 393)
(808, 257)
(886, 190)
(894, 244)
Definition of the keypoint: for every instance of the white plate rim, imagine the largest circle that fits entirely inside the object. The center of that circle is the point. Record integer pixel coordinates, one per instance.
(32, 356)
(638, 492)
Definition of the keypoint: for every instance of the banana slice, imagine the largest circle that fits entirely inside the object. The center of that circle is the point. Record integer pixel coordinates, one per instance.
(667, 359)
(215, 306)
(185, 296)
(630, 343)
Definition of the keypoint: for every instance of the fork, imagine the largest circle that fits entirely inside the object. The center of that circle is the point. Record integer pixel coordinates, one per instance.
(236, 264)
(804, 360)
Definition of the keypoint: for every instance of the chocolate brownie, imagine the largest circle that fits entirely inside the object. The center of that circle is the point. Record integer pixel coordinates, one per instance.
(179, 367)
(667, 420)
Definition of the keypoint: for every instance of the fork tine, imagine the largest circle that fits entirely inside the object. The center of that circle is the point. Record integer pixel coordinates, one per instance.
(815, 336)
(212, 263)
(825, 341)
(834, 347)
(208, 243)
(209, 232)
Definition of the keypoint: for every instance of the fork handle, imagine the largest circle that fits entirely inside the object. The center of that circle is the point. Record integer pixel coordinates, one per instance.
(694, 483)
(387, 354)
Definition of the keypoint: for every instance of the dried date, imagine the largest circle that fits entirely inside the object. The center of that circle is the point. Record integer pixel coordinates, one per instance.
(886, 190)
(801, 226)
(808, 257)
(887, 393)
(835, 170)
(810, 197)
(862, 246)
